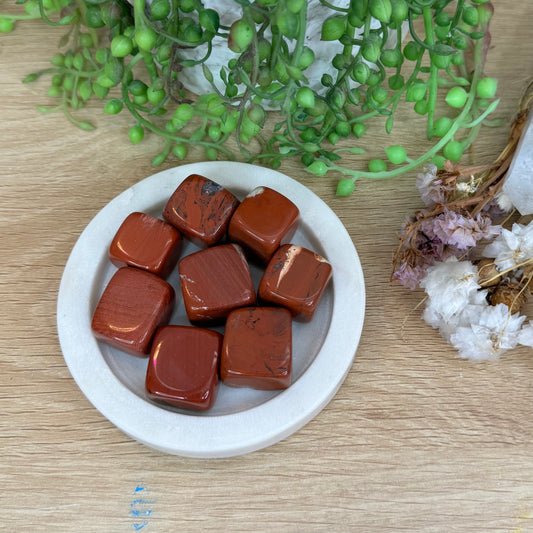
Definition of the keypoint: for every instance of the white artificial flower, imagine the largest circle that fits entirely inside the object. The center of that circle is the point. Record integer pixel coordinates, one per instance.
(511, 247)
(525, 336)
(450, 286)
(491, 333)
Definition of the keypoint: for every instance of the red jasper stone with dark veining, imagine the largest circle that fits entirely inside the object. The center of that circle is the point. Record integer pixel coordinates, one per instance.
(133, 305)
(200, 209)
(257, 348)
(183, 367)
(146, 242)
(295, 278)
(214, 281)
(263, 220)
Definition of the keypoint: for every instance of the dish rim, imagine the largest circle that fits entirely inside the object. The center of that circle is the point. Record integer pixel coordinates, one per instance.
(222, 435)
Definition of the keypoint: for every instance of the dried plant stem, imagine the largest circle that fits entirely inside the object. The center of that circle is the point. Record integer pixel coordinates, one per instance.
(506, 271)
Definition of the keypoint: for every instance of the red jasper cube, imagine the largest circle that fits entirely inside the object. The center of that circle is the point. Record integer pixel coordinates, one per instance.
(257, 348)
(146, 242)
(214, 281)
(262, 221)
(183, 367)
(133, 305)
(295, 278)
(200, 209)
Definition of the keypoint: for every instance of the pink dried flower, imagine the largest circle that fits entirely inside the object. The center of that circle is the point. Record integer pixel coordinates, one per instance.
(463, 232)
(410, 271)
(431, 188)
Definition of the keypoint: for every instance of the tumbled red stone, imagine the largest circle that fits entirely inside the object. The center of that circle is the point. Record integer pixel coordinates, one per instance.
(200, 209)
(257, 348)
(183, 367)
(263, 220)
(146, 242)
(295, 278)
(214, 281)
(133, 305)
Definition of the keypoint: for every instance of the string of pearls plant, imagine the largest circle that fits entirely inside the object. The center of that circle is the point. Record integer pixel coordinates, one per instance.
(326, 69)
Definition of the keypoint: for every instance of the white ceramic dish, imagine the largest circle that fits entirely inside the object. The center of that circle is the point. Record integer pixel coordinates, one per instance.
(242, 420)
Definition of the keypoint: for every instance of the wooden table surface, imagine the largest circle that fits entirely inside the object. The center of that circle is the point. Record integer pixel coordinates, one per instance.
(416, 440)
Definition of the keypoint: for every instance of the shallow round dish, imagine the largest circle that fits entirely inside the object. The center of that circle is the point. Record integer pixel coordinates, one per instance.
(242, 420)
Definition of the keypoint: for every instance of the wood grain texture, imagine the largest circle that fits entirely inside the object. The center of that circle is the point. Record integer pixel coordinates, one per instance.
(415, 440)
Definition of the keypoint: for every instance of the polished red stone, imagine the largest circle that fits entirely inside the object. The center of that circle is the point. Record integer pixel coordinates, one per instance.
(214, 281)
(133, 305)
(263, 220)
(295, 278)
(146, 242)
(257, 348)
(183, 367)
(200, 209)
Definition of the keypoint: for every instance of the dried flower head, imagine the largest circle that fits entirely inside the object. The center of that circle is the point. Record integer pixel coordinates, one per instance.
(513, 247)
(474, 305)
(460, 230)
(525, 336)
(489, 275)
(489, 334)
(510, 294)
(450, 286)
(432, 188)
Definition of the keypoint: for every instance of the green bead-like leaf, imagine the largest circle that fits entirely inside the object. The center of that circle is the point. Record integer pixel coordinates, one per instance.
(159, 160)
(381, 10)
(389, 123)
(85, 126)
(30, 77)
(305, 97)
(209, 19)
(288, 24)
(207, 73)
(442, 49)
(371, 48)
(240, 36)
(333, 28)
(396, 154)
(318, 168)
(345, 187)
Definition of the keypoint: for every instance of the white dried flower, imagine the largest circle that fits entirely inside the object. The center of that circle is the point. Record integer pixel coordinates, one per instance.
(491, 333)
(446, 315)
(459, 309)
(447, 327)
(504, 202)
(467, 187)
(450, 286)
(511, 248)
(525, 336)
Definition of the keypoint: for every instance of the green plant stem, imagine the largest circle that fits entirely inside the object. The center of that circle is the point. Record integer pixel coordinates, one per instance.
(284, 61)
(434, 71)
(457, 16)
(350, 32)
(152, 127)
(291, 88)
(45, 18)
(334, 8)
(458, 123)
(9, 16)
(395, 98)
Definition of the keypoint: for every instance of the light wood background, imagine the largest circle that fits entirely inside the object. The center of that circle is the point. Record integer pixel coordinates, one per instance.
(416, 440)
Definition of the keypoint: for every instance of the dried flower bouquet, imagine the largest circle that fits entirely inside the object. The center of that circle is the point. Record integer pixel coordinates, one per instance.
(471, 254)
